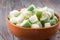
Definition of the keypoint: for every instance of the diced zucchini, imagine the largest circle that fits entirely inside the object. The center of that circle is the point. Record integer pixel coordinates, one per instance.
(26, 24)
(33, 12)
(30, 7)
(52, 21)
(51, 12)
(13, 20)
(24, 15)
(38, 14)
(55, 18)
(48, 13)
(15, 13)
(21, 17)
(28, 14)
(47, 24)
(44, 19)
(35, 26)
(39, 23)
(33, 19)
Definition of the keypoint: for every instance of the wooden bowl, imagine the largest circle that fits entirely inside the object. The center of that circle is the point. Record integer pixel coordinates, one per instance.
(33, 33)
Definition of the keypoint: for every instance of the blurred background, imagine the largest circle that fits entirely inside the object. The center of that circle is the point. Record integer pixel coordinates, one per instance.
(7, 5)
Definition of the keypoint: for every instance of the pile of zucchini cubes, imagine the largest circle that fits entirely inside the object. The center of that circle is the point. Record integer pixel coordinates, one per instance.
(33, 17)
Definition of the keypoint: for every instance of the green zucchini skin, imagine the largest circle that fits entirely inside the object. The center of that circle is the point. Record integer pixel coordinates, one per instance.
(27, 24)
(44, 20)
(39, 14)
(30, 7)
(54, 20)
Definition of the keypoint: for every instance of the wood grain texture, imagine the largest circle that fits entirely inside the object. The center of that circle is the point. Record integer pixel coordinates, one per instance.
(7, 5)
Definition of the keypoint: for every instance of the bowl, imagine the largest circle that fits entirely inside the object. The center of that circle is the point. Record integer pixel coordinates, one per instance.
(33, 33)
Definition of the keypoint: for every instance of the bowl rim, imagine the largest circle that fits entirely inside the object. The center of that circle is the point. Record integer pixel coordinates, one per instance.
(36, 28)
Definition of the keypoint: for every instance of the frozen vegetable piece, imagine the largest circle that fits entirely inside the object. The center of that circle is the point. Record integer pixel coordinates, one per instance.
(26, 24)
(20, 18)
(39, 23)
(44, 19)
(50, 12)
(35, 26)
(47, 24)
(24, 15)
(33, 19)
(55, 18)
(14, 13)
(28, 14)
(39, 14)
(13, 20)
(52, 21)
(31, 7)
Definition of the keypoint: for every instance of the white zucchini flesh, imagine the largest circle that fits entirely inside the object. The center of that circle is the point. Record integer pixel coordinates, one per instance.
(35, 26)
(38, 13)
(47, 24)
(14, 13)
(26, 24)
(31, 7)
(33, 19)
(13, 20)
(39, 23)
(23, 15)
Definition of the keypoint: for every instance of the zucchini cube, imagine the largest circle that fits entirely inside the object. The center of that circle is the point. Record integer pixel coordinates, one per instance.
(24, 15)
(50, 12)
(55, 18)
(20, 18)
(28, 14)
(39, 23)
(14, 13)
(26, 24)
(13, 20)
(33, 19)
(35, 26)
(38, 14)
(52, 21)
(30, 7)
(44, 19)
(47, 24)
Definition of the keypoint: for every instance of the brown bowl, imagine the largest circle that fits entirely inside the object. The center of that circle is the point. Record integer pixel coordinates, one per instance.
(33, 33)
